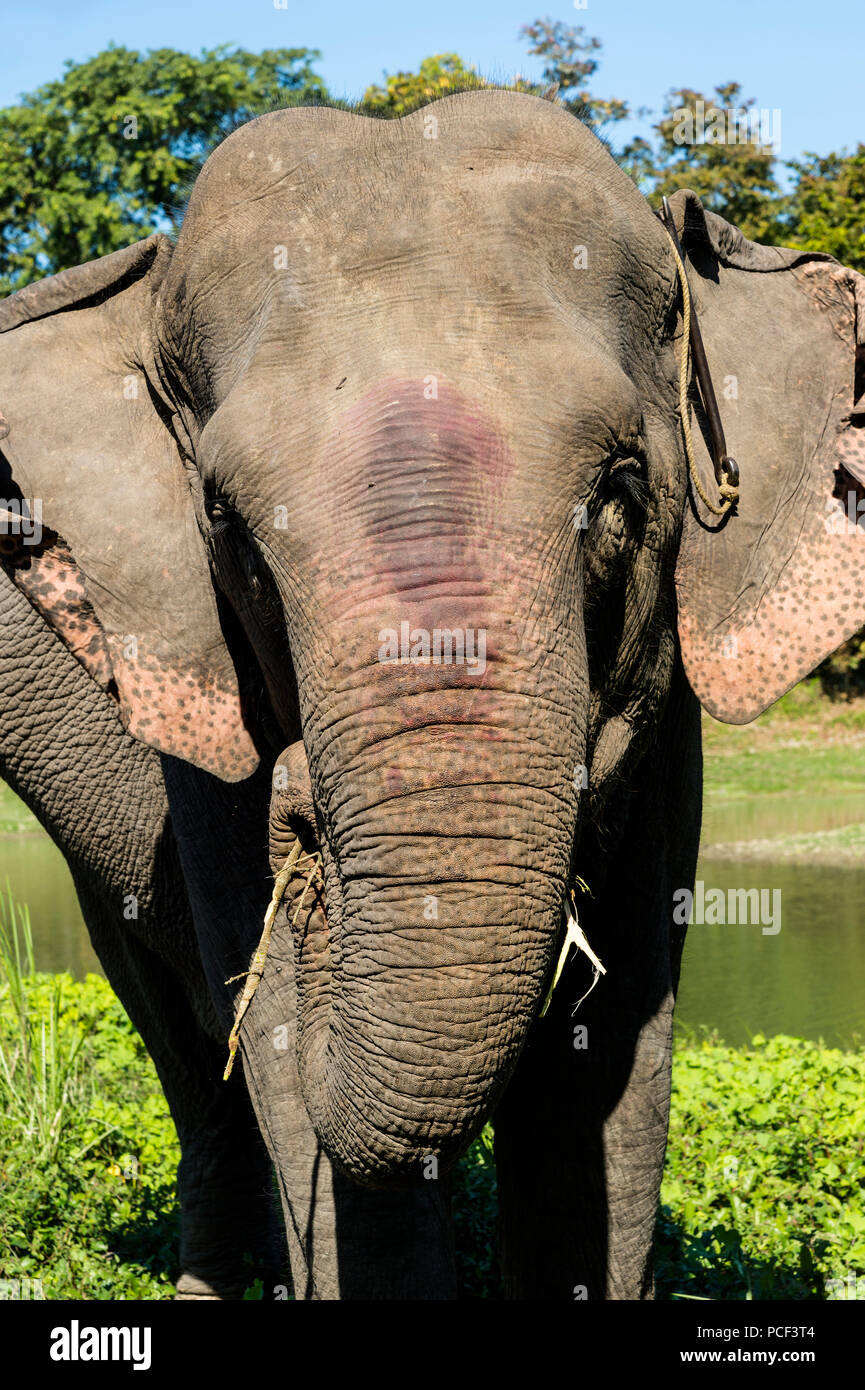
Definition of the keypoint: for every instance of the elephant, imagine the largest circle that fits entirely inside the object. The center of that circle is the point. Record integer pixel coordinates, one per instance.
(369, 519)
(101, 796)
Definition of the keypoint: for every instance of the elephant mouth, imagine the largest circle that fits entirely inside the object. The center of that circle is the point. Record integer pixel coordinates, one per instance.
(303, 895)
(296, 848)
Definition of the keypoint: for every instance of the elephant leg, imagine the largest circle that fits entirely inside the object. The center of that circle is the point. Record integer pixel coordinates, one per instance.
(345, 1241)
(228, 1231)
(100, 795)
(580, 1137)
(581, 1129)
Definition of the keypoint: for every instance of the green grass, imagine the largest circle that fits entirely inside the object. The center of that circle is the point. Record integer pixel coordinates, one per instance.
(39, 1066)
(763, 1195)
(89, 1151)
(803, 744)
(782, 772)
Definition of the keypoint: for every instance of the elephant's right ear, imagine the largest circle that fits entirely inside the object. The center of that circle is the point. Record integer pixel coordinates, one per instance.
(767, 594)
(97, 524)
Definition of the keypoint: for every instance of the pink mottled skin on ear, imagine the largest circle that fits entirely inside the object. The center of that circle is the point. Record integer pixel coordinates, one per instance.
(772, 635)
(738, 670)
(179, 711)
(184, 713)
(49, 577)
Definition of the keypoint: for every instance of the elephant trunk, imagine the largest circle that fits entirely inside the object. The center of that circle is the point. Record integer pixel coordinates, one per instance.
(445, 821)
(443, 693)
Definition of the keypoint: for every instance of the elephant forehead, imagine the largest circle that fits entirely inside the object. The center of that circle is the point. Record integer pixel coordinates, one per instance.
(284, 146)
(508, 179)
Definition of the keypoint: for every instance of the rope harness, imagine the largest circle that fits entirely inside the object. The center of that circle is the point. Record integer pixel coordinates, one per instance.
(726, 468)
(727, 478)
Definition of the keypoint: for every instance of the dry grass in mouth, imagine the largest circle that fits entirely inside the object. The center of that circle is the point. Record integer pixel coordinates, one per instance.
(259, 956)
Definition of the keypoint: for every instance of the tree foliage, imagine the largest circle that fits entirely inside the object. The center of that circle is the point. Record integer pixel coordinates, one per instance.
(823, 209)
(732, 177)
(826, 211)
(569, 64)
(104, 154)
(406, 91)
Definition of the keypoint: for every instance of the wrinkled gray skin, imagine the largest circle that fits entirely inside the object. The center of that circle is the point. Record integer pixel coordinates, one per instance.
(101, 797)
(392, 385)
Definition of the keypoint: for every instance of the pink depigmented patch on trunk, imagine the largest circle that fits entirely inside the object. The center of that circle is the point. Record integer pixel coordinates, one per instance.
(416, 488)
(413, 541)
(420, 482)
(396, 418)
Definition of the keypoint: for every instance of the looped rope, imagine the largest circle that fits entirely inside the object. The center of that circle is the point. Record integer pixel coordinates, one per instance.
(729, 491)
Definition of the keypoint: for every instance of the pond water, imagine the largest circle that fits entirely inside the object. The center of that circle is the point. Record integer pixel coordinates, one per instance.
(766, 817)
(806, 979)
(37, 875)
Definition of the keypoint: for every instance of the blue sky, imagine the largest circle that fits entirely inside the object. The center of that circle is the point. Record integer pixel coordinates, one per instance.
(803, 57)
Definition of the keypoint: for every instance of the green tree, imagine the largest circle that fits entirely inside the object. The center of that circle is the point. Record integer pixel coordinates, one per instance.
(733, 177)
(826, 209)
(406, 91)
(106, 153)
(569, 64)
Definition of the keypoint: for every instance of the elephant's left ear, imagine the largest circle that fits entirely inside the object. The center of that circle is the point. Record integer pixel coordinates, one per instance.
(774, 589)
(97, 524)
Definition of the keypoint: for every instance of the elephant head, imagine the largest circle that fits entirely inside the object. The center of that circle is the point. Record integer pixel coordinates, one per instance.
(392, 434)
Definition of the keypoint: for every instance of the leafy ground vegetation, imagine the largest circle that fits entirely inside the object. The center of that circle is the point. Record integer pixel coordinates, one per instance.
(88, 1150)
(805, 753)
(764, 1189)
(763, 1198)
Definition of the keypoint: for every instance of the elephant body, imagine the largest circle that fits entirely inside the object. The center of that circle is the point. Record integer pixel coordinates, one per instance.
(100, 795)
(389, 546)
(104, 798)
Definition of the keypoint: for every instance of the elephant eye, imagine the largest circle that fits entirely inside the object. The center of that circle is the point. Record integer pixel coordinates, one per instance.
(232, 546)
(220, 513)
(621, 481)
(628, 478)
